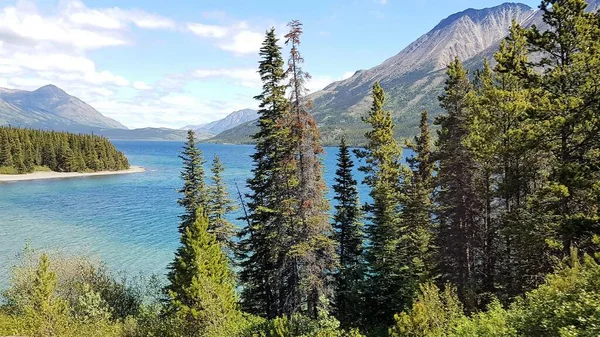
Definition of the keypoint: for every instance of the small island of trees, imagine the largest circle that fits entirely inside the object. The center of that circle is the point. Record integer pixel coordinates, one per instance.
(27, 150)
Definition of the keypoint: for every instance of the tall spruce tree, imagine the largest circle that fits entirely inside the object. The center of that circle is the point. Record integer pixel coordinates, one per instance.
(311, 256)
(219, 206)
(502, 139)
(194, 188)
(6, 158)
(201, 286)
(417, 241)
(263, 244)
(567, 112)
(459, 206)
(349, 237)
(383, 174)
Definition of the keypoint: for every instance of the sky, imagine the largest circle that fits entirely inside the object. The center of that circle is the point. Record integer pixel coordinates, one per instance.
(157, 63)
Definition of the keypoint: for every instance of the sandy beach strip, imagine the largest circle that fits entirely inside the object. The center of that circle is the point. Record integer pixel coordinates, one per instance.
(61, 175)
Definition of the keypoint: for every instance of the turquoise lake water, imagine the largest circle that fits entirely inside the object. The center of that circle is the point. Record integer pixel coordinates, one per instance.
(128, 221)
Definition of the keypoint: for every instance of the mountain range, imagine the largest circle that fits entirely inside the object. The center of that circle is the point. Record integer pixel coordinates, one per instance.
(414, 78)
(230, 121)
(51, 108)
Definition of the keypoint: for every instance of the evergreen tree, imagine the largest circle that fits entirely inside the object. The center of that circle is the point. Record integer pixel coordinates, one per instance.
(201, 287)
(349, 236)
(263, 244)
(567, 112)
(459, 205)
(383, 174)
(311, 255)
(219, 205)
(417, 242)
(46, 311)
(194, 189)
(18, 157)
(503, 141)
(6, 158)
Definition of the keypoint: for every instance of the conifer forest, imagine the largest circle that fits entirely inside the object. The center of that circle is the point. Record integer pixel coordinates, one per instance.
(25, 150)
(490, 228)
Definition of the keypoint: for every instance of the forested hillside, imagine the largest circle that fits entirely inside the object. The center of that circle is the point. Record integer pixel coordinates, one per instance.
(25, 150)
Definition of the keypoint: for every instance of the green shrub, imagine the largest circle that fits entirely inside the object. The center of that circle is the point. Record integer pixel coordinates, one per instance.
(297, 326)
(8, 170)
(495, 322)
(568, 304)
(434, 314)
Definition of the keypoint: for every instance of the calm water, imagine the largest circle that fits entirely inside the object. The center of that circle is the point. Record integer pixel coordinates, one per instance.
(128, 221)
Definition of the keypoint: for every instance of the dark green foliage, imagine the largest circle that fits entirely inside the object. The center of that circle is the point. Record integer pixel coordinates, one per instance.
(459, 204)
(311, 254)
(383, 174)
(219, 205)
(194, 188)
(24, 149)
(566, 112)
(418, 232)
(262, 246)
(286, 250)
(201, 286)
(349, 237)
(565, 305)
(300, 326)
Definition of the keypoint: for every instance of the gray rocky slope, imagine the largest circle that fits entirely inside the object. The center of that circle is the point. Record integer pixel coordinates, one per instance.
(49, 107)
(412, 79)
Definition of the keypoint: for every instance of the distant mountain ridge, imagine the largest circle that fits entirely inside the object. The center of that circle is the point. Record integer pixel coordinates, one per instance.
(50, 107)
(230, 121)
(412, 79)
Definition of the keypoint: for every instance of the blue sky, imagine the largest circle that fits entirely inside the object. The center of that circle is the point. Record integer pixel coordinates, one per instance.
(173, 63)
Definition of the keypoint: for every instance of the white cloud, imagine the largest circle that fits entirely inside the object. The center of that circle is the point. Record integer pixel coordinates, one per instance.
(9, 69)
(105, 77)
(49, 62)
(244, 42)
(180, 100)
(208, 30)
(347, 75)
(317, 83)
(75, 26)
(39, 48)
(149, 21)
(237, 38)
(102, 92)
(30, 28)
(383, 2)
(115, 18)
(95, 18)
(139, 85)
(244, 77)
(171, 111)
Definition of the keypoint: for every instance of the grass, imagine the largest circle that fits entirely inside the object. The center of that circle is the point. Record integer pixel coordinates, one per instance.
(8, 170)
(41, 169)
(12, 170)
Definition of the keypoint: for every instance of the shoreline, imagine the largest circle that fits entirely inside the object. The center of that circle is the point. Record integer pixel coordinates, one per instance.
(62, 175)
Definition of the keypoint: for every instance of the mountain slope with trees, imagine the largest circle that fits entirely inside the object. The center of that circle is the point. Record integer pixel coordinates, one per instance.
(412, 78)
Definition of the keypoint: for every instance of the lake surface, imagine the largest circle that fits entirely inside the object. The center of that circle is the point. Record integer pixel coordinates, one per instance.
(128, 221)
